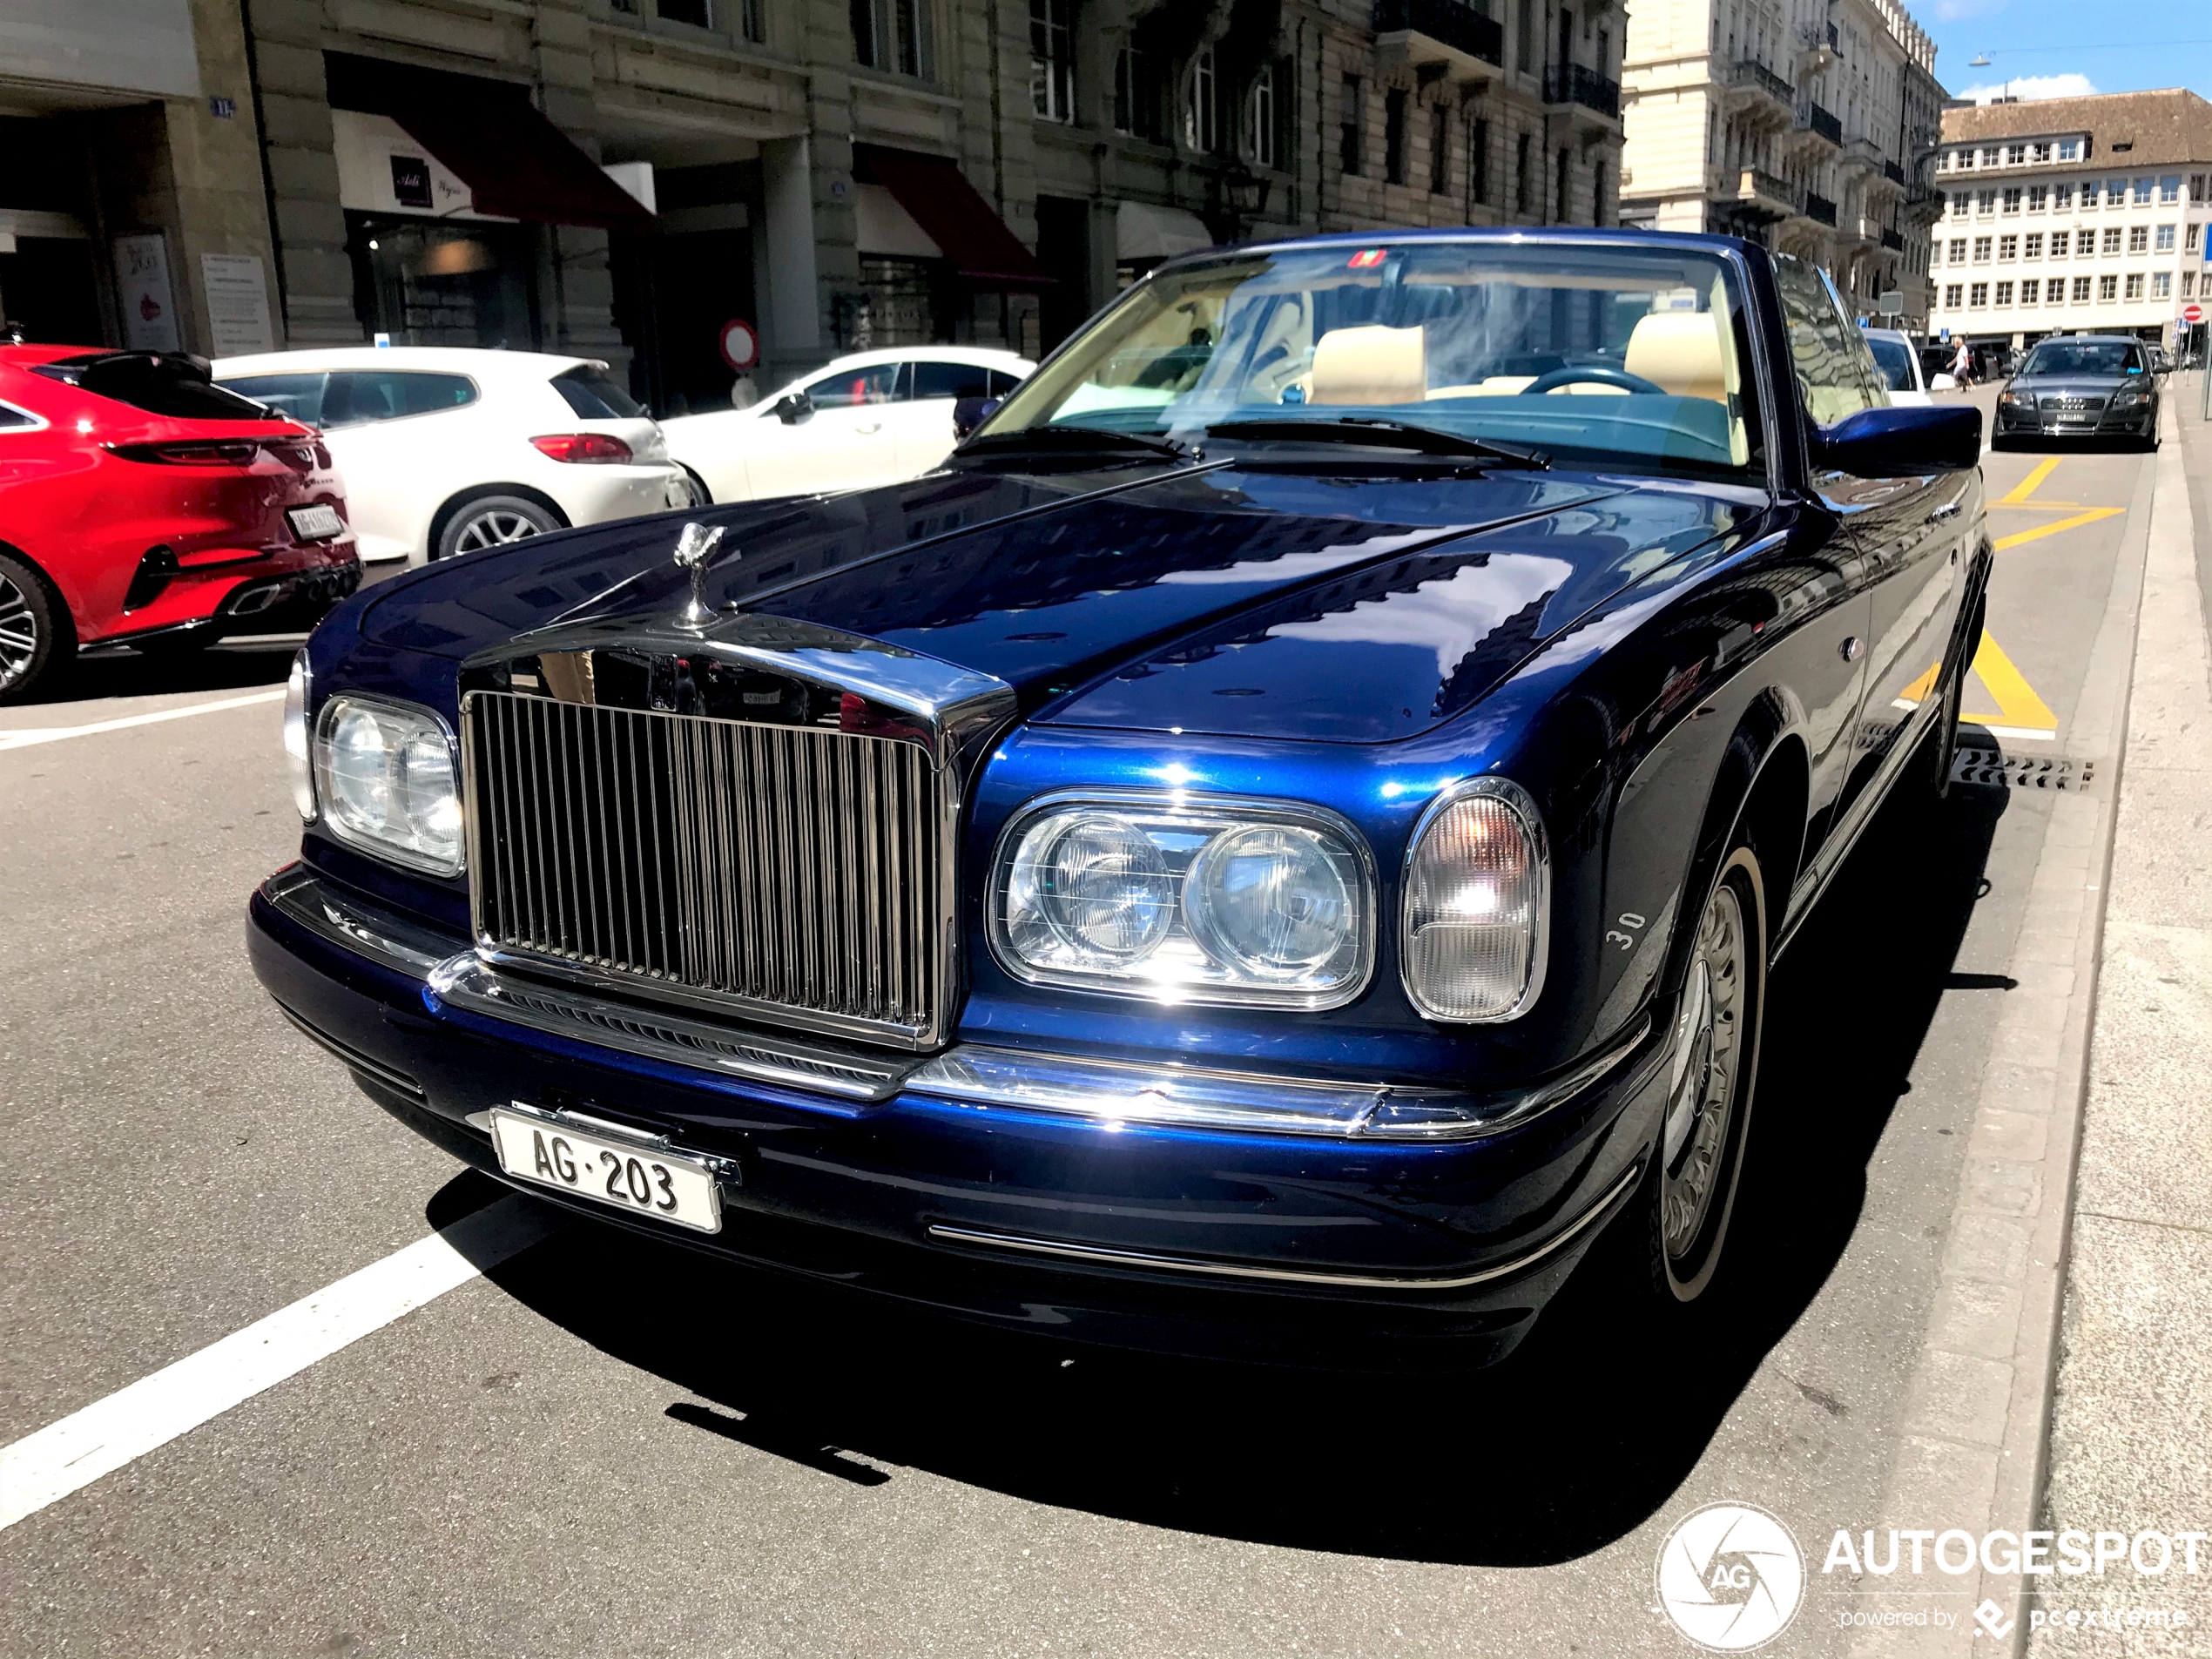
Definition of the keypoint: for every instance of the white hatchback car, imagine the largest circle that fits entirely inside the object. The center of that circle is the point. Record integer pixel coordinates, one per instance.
(1900, 361)
(447, 450)
(868, 418)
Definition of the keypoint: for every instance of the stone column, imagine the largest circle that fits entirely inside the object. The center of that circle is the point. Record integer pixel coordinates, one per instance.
(314, 276)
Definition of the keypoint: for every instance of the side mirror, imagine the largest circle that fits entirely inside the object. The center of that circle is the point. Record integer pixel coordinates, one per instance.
(968, 412)
(793, 407)
(1943, 383)
(1899, 442)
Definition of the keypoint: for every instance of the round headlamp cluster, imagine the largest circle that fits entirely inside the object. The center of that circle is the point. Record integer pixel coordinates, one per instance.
(385, 780)
(1219, 902)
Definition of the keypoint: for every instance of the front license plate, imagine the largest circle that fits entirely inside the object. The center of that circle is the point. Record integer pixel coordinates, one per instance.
(645, 1180)
(316, 523)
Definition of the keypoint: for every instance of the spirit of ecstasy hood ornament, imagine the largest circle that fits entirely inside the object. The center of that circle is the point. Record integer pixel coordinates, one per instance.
(694, 549)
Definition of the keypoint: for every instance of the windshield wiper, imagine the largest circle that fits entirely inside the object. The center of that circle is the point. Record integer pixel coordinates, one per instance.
(1051, 439)
(1392, 434)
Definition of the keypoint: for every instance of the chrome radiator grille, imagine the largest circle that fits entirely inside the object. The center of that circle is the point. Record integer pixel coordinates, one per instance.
(790, 870)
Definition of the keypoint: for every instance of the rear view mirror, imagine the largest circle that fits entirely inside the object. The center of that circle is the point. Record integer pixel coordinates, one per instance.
(968, 412)
(1898, 442)
(1943, 383)
(793, 407)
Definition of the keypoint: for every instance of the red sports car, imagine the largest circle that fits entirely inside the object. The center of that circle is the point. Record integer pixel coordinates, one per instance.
(141, 503)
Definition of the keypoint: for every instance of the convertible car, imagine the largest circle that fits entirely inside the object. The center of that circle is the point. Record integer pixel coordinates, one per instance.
(1280, 840)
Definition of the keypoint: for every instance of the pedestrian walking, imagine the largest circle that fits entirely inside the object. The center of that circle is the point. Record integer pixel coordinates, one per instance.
(1962, 365)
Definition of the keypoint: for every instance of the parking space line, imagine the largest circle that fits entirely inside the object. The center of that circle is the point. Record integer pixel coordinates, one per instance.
(29, 735)
(2042, 530)
(64, 1456)
(2028, 485)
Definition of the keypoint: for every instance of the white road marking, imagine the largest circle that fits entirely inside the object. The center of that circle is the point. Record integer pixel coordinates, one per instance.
(56, 1460)
(25, 739)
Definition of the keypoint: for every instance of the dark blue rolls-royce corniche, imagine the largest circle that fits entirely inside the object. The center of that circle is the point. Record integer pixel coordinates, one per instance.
(1283, 837)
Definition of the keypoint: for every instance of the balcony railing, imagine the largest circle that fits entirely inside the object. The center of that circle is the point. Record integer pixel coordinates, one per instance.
(1572, 84)
(1750, 73)
(1820, 207)
(1893, 172)
(1812, 119)
(1756, 185)
(1893, 240)
(1448, 21)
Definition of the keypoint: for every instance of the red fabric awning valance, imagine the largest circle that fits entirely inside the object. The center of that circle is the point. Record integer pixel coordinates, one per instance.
(952, 212)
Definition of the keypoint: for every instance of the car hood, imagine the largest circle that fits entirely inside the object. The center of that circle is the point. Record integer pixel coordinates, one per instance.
(2076, 385)
(1221, 598)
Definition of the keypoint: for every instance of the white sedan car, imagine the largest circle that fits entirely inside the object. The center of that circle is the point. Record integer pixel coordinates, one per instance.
(1900, 361)
(868, 419)
(449, 450)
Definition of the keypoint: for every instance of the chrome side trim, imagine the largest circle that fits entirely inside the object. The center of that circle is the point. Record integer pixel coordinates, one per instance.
(466, 983)
(1106, 1256)
(300, 896)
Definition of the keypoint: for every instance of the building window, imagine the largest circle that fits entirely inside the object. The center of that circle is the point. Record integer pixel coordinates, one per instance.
(1978, 295)
(1951, 294)
(1986, 203)
(2116, 193)
(2034, 250)
(1943, 162)
(2004, 295)
(1981, 250)
(1439, 149)
(1521, 178)
(1478, 161)
(892, 34)
(2107, 288)
(1989, 155)
(2112, 240)
(2029, 290)
(2188, 240)
(2134, 285)
(2189, 284)
(2165, 239)
(2008, 248)
(2069, 148)
(1958, 204)
(2143, 188)
(2013, 199)
(1394, 136)
(2042, 153)
(699, 13)
(2039, 197)
(2059, 240)
(1052, 59)
(1262, 121)
(2196, 186)
(2082, 290)
(1352, 138)
(1201, 107)
(1136, 95)
(1563, 182)
(1958, 250)
(1965, 160)
(2015, 154)
(2062, 198)
(2161, 285)
(2169, 188)
(2139, 239)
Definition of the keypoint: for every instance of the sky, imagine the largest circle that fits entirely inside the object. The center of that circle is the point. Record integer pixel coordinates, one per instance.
(2061, 47)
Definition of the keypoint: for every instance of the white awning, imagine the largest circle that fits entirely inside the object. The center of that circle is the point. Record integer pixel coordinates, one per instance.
(1144, 232)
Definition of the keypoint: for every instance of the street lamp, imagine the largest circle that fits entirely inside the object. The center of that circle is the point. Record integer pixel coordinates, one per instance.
(1241, 199)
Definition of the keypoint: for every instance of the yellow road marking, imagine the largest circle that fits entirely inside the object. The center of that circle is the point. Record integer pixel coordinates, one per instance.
(2042, 530)
(2028, 485)
(2018, 706)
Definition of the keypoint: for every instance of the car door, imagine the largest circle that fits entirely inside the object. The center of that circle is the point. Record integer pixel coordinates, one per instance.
(923, 417)
(841, 440)
(401, 438)
(1831, 680)
(1910, 531)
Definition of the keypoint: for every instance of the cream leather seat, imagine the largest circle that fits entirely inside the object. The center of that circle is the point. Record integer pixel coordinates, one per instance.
(1370, 364)
(1681, 351)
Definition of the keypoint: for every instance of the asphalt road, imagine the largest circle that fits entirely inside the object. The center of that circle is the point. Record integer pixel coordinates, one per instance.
(610, 1445)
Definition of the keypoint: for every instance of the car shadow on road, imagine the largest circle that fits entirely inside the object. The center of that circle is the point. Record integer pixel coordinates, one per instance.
(239, 664)
(1572, 1443)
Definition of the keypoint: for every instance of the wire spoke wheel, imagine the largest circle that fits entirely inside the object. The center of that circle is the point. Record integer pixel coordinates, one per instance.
(1696, 1143)
(494, 528)
(18, 632)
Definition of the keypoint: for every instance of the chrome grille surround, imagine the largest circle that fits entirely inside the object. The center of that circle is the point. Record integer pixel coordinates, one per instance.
(631, 829)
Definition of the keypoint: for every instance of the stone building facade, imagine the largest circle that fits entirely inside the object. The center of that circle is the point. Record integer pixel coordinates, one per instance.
(1805, 124)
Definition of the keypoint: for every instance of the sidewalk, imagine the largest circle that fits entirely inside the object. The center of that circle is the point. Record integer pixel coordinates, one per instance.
(2131, 1425)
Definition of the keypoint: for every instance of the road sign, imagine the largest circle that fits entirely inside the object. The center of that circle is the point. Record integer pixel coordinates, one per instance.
(2192, 315)
(740, 346)
(1946, 334)
(1892, 303)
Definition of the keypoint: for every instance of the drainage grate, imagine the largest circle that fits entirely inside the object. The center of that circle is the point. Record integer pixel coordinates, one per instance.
(1996, 770)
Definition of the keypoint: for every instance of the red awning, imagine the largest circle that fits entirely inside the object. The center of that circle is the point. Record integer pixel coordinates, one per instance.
(958, 219)
(518, 165)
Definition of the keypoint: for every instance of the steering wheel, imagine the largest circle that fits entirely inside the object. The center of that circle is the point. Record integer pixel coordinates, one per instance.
(1597, 374)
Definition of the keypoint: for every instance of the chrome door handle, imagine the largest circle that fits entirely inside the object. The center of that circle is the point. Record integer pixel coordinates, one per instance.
(1949, 509)
(1851, 649)
(877, 426)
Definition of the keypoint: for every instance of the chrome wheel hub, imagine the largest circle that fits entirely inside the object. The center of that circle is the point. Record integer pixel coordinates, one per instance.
(1693, 1143)
(495, 528)
(18, 632)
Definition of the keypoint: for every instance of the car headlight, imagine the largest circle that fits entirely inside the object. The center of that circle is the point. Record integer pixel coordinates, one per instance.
(384, 775)
(1186, 900)
(2131, 395)
(1477, 904)
(298, 768)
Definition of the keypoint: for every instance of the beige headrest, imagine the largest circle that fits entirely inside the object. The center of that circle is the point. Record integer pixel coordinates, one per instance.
(1370, 365)
(1680, 350)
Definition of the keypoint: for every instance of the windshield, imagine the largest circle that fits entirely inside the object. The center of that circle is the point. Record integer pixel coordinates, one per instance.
(1620, 356)
(1894, 359)
(2083, 357)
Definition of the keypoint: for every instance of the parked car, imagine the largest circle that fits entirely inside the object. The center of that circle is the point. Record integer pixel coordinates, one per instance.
(139, 505)
(2081, 385)
(452, 450)
(1898, 365)
(1281, 839)
(868, 418)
